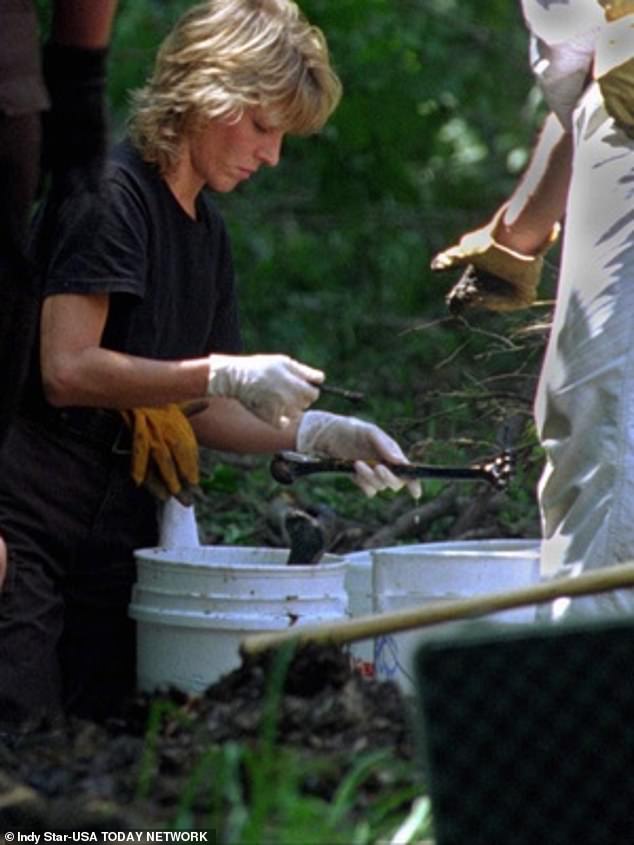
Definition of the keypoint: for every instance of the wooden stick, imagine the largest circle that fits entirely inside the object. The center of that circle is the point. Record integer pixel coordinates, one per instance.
(366, 627)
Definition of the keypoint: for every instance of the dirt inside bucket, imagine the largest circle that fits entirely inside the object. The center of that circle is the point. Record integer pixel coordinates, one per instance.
(83, 776)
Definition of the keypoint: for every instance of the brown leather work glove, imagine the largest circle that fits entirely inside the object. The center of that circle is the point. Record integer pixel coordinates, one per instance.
(614, 62)
(165, 450)
(615, 9)
(495, 277)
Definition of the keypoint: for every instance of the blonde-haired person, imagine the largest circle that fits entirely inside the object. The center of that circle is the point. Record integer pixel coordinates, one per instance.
(226, 57)
(139, 318)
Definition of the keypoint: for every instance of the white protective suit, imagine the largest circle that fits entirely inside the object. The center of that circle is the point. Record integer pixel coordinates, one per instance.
(585, 399)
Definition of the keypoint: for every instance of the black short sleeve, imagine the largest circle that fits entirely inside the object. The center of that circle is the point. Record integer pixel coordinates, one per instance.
(170, 278)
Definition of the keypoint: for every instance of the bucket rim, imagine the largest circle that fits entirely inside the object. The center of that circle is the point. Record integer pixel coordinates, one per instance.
(463, 555)
(489, 544)
(174, 555)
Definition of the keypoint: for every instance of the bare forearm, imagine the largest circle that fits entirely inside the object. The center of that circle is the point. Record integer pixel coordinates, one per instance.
(540, 199)
(103, 378)
(83, 23)
(77, 370)
(99, 377)
(226, 425)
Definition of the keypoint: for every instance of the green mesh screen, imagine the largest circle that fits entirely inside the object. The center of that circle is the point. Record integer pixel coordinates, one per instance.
(527, 733)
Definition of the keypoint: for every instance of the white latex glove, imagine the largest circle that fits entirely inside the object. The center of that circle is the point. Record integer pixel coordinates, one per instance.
(322, 433)
(273, 387)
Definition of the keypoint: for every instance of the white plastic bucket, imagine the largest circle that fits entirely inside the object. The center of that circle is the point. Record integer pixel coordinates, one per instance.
(409, 576)
(359, 580)
(194, 605)
(360, 603)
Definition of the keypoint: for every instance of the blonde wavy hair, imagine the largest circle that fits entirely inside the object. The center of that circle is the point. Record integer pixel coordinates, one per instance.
(224, 56)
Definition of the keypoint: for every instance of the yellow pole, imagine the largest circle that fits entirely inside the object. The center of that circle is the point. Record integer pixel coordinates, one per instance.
(367, 627)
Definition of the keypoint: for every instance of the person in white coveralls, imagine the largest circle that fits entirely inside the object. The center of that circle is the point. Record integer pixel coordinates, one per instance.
(581, 174)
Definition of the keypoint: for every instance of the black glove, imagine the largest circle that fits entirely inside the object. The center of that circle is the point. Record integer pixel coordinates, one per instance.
(75, 130)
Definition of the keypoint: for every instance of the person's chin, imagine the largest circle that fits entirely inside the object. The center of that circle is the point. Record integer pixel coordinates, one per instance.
(223, 186)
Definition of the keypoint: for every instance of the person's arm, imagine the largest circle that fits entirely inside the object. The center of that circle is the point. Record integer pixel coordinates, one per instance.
(74, 63)
(83, 23)
(77, 370)
(539, 201)
(228, 426)
(503, 259)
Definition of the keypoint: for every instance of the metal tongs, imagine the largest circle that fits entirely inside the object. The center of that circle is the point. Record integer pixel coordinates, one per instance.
(286, 467)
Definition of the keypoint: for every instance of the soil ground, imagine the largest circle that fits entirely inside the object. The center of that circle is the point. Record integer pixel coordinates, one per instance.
(83, 776)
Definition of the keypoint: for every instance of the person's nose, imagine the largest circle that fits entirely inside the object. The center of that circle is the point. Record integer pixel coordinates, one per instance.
(271, 149)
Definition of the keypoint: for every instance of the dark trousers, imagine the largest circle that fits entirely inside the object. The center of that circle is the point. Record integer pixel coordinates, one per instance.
(71, 517)
(19, 173)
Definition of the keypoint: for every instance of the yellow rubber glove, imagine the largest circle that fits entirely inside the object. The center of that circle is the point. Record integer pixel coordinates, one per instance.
(614, 63)
(496, 277)
(164, 451)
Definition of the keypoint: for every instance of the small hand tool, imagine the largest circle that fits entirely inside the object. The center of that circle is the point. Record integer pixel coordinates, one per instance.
(287, 466)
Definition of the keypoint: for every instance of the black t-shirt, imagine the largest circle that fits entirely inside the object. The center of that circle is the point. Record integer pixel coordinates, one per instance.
(169, 277)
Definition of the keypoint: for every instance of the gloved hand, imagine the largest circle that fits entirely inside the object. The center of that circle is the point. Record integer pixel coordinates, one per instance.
(496, 277)
(614, 63)
(75, 129)
(331, 435)
(615, 9)
(164, 451)
(273, 387)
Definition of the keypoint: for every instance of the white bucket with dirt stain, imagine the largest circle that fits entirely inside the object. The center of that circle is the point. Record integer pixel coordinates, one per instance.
(360, 603)
(359, 580)
(193, 606)
(411, 576)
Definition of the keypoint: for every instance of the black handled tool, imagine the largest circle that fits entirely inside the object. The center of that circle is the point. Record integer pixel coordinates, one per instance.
(287, 467)
(334, 390)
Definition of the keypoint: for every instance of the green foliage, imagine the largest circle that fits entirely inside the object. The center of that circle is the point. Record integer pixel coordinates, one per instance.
(417, 150)
(140, 26)
(244, 800)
